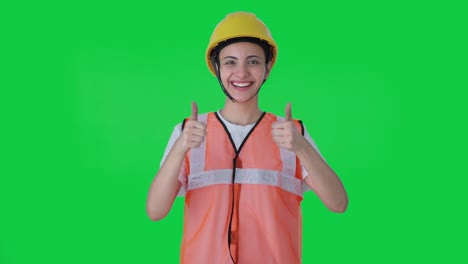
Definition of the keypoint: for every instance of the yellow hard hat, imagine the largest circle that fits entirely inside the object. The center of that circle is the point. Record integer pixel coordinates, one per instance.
(238, 25)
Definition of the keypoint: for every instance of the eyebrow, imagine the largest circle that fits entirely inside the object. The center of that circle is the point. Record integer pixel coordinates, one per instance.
(248, 57)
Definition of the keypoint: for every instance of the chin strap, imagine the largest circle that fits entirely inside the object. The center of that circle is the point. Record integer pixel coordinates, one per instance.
(214, 62)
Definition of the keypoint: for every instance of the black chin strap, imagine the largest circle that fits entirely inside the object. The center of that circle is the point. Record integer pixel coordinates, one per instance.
(218, 75)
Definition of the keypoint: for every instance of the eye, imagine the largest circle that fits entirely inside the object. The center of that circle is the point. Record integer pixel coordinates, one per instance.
(229, 62)
(253, 62)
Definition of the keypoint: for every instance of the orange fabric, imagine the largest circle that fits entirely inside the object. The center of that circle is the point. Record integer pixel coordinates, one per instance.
(267, 222)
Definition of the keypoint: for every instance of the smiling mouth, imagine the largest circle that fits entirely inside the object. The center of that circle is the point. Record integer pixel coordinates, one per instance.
(241, 84)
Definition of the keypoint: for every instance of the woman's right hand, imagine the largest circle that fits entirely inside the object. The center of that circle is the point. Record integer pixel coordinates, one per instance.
(194, 132)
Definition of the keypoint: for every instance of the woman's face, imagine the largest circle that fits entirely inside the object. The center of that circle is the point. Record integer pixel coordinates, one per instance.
(242, 69)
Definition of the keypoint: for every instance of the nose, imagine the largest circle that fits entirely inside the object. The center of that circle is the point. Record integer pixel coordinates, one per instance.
(242, 70)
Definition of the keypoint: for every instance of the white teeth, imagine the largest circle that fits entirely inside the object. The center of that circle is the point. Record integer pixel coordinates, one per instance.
(242, 84)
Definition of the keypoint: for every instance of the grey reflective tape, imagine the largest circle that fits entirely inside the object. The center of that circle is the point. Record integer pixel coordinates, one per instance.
(286, 182)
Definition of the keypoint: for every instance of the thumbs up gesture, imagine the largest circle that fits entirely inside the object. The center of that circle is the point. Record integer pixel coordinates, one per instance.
(194, 131)
(285, 133)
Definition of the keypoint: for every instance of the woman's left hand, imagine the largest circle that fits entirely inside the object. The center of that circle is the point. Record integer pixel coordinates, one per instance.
(285, 133)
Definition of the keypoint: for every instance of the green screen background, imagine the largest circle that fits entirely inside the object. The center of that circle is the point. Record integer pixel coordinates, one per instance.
(90, 92)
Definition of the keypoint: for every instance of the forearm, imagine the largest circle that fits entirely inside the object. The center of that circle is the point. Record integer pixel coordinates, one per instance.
(322, 179)
(165, 185)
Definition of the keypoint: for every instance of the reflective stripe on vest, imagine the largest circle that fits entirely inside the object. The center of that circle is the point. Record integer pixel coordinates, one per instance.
(246, 176)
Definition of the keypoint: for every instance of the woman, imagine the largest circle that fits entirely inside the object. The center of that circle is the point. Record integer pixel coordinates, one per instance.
(243, 171)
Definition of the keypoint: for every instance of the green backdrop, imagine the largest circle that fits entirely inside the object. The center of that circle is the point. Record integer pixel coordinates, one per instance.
(90, 92)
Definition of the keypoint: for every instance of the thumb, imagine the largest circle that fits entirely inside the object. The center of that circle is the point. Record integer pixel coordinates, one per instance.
(288, 116)
(194, 112)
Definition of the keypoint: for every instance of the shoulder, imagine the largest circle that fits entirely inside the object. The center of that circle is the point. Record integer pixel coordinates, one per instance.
(272, 116)
(177, 129)
(275, 118)
(201, 118)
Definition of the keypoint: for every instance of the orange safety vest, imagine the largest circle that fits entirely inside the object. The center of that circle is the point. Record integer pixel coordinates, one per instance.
(256, 219)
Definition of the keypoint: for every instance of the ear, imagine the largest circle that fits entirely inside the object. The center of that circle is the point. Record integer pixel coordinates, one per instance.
(267, 70)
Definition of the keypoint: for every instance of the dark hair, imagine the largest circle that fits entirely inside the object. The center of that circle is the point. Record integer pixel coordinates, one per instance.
(262, 43)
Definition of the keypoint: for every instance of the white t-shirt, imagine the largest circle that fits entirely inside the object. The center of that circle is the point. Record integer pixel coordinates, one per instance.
(238, 133)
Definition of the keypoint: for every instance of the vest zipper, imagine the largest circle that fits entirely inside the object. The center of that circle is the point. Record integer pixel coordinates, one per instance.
(233, 180)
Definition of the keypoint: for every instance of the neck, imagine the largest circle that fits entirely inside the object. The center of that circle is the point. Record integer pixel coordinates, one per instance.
(244, 113)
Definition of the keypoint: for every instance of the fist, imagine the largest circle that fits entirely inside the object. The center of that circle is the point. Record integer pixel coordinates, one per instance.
(194, 132)
(285, 133)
